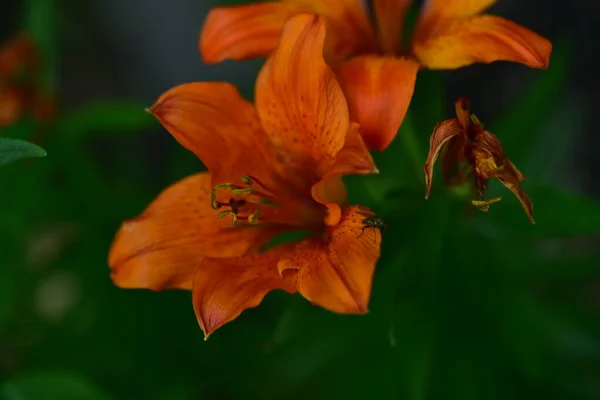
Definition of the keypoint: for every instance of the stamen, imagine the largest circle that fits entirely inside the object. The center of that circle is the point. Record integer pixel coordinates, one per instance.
(247, 180)
(484, 205)
(225, 213)
(253, 218)
(243, 192)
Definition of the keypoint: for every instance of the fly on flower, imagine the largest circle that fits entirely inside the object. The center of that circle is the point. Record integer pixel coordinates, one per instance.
(466, 141)
(376, 73)
(273, 167)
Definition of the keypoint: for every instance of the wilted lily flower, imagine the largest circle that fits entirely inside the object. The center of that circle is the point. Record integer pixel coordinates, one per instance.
(272, 168)
(376, 73)
(467, 141)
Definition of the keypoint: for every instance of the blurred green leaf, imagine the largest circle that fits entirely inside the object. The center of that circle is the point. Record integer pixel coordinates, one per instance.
(104, 119)
(40, 20)
(520, 127)
(557, 212)
(50, 385)
(15, 149)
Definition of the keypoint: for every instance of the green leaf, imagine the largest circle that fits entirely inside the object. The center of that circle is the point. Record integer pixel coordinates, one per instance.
(50, 385)
(520, 127)
(15, 149)
(557, 212)
(104, 119)
(40, 20)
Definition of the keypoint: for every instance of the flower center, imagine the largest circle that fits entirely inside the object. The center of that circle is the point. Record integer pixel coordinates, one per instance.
(253, 192)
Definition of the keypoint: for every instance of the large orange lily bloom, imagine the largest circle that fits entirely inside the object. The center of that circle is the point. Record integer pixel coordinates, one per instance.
(376, 73)
(272, 168)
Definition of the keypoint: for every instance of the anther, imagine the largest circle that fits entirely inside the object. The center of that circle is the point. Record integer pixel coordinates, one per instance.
(247, 180)
(476, 120)
(484, 205)
(253, 218)
(225, 213)
(243, 192)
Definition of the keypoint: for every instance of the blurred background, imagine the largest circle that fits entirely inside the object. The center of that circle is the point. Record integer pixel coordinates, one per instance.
(465, 305)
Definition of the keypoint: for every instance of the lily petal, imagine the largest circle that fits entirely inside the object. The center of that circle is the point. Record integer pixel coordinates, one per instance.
(511, 182)
(353, 159)
(213, 121)
(224, 287)
(390, 16)
(485, 39)
(337, 274)
(442, 133)
(378, 90)
(243, 31)
(163, 247)
(300, 102)
(348, 26)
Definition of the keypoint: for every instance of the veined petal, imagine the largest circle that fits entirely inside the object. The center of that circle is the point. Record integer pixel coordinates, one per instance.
(300, 102)
(163, 247)
(243, 31)
(348, 27)
(390, 16)
(224, 287)
(461, 42)
(509, 180)
(442, 133)
(378, 90)
(213, 121)
(337, 273)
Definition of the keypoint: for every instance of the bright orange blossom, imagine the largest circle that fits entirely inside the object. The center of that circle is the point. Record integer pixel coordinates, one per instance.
(376, 74)
(272, 168)
(466, 140)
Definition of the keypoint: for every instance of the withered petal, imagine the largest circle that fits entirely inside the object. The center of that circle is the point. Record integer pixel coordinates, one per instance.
(442, 133)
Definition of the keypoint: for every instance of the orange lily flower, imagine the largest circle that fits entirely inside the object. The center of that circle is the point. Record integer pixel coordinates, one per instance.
(19, 69)
(273, 167)
(466, 140)
(376, 74)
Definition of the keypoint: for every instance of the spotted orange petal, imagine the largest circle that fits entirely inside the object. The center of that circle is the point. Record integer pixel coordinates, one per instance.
(224, 287)
(378, 90)
(337, 273)
(213, 121)
(442, 133)
(457, 43)
(243, 31)
(163, 247)
(300, 102)
(390, 16)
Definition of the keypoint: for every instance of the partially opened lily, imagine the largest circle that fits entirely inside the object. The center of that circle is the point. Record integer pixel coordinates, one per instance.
(272, 168)
(376, 73)
(466, 140)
